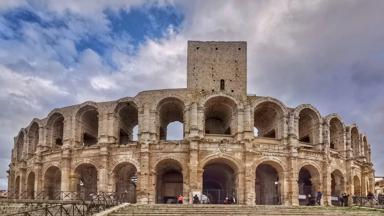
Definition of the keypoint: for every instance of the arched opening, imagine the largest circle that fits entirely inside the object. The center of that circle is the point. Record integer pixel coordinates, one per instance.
(169, 181)
(336, 131)
(89, 122)
(308, 126)
(337, 186)
(19, 146)
(171, 110)
(268, 187)
(219, 182)
(125, 182)
(267, 120)
(309, 184)
(52, 183)
(220, 116)
(356, 186)
(17, 187)
(222, 85)
(31, 186)
(355, 141)
(33, 137)
(86, 176)
(128, 120)
(55, 128)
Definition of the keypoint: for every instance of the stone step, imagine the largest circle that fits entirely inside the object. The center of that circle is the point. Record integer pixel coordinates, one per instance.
(239, 210)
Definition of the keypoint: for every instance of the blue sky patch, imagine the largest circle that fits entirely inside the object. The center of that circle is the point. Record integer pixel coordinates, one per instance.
(143, 22)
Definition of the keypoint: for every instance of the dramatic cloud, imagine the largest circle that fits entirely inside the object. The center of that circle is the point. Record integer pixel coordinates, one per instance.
(54, 54)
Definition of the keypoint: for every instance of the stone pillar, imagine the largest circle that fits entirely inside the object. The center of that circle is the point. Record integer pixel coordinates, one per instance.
(23, 182)
(248, 123)
(327, 180)
(39, 176)
(240, 124)
(194, 129)
(240, 187)
(201, 120)
(292, 172)
(66, 171)
(144, 185)
(349, 161)
(193, 167)
(103, 169)
(249, 174)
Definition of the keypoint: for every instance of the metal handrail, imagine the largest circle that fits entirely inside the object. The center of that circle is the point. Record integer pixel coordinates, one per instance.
(67, 203)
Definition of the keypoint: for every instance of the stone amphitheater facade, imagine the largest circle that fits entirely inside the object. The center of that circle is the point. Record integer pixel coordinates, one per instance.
(250, 147)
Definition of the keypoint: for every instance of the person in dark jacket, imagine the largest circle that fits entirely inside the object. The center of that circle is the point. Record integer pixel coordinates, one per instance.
(196, 199)
(318, 197)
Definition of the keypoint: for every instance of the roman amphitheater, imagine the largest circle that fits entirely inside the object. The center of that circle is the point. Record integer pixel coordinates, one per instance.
(250, 147)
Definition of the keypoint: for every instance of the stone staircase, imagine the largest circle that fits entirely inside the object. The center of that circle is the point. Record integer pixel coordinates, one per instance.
(240, 210)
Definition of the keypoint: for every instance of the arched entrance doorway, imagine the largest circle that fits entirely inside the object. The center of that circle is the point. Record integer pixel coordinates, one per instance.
(356, 186)
(337, 186)
(52, 183)
(219, 182)
(125, 182)
(268, 187)
(86, 176)
(309, 184)
(169, 181)
(31, 186)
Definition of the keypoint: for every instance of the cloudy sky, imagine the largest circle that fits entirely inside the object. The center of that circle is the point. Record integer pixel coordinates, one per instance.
(59, 53)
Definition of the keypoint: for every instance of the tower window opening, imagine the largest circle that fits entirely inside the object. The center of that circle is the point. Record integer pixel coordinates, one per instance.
(222, 84)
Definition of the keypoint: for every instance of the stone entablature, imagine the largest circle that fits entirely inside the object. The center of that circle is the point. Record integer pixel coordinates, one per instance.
(91, 147)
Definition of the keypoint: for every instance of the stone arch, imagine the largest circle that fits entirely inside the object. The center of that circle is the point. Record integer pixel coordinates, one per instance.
(220, 178)
(355, 140)
(52, 183)
(31, 185)
(269, 118)
(170, 110)
(20, 140)
(309, 182)
(269, 182)
(86, 178)
(127, 115)
(125, 180)
(220, 115)
(169, 180)
(308, 127)
(33, 138)
(88, 124)
(336, 133)
(337, 183)
(55, 130)
(356, 186)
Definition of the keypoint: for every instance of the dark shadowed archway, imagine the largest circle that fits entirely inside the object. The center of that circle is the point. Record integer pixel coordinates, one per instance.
(268, 184)
(169, 181)
(52, 183)
(125, 182)
(220, 181)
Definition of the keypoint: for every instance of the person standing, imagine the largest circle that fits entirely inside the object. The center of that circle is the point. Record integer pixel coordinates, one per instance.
(318, 197)
(180, 199)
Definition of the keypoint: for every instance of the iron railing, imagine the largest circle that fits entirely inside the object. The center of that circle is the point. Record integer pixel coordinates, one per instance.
(373, 202)
(65, 203)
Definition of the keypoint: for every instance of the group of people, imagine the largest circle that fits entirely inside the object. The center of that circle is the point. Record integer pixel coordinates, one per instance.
(204, 199)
